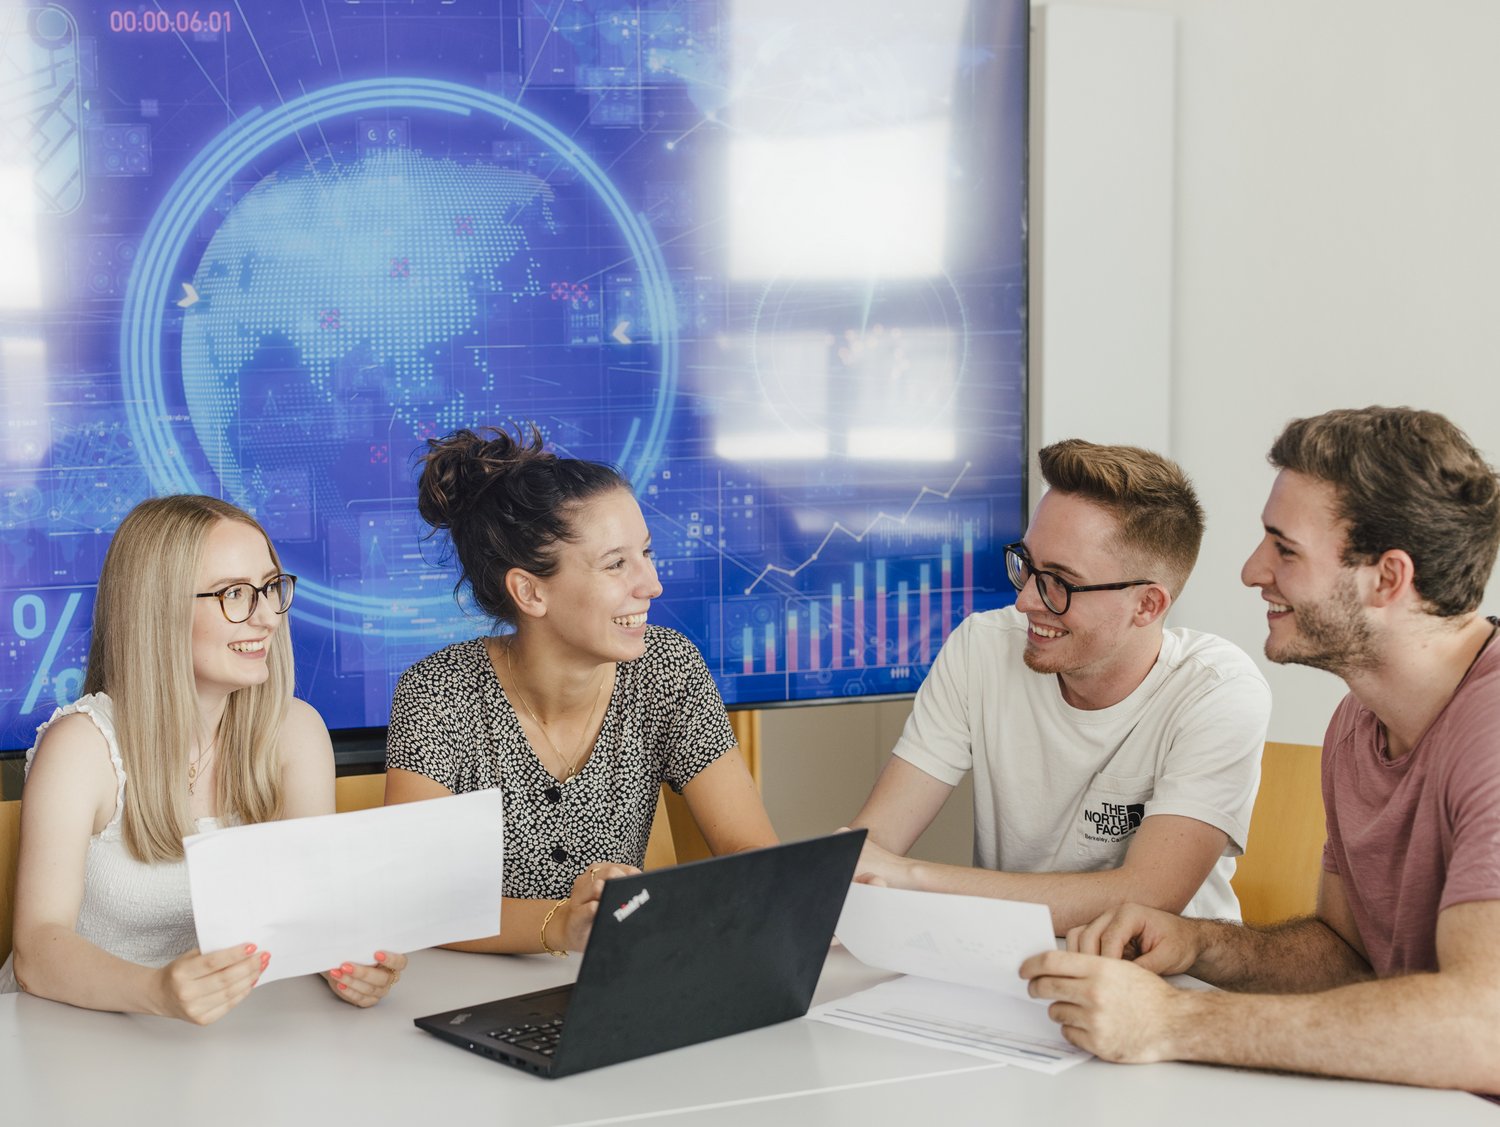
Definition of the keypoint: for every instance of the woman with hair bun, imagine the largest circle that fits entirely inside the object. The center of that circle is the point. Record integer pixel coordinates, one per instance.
(187, 723)
(578, 710)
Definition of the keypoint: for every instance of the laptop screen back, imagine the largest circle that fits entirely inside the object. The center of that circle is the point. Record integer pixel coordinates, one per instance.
(703, 950)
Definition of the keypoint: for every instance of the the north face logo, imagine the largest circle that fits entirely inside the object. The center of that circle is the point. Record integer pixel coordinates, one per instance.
(1115, 821)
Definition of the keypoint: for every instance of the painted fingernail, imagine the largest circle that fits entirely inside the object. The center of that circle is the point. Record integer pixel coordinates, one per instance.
(249, 948)
(336, 973)
(342, 985)
(347, 968)
(380, 956)
(265, 957)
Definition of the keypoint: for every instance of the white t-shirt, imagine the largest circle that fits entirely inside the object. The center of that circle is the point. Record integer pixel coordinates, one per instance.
(1062, 789)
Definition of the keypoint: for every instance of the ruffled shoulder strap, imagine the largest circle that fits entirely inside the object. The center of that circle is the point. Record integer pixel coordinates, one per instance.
(100, 709)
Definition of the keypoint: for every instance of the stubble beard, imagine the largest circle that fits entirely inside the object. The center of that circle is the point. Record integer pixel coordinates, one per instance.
(1332, 635)
(1038, 662)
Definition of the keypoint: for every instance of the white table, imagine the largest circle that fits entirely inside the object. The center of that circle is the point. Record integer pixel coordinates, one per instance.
(292, 1054)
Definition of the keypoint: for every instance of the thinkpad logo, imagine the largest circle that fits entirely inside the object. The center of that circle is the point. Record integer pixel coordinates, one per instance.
(459, 1019)
(1113, 821)
(624, 911)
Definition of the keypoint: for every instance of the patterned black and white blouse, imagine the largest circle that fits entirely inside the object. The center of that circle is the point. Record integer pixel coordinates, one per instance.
(452, 722)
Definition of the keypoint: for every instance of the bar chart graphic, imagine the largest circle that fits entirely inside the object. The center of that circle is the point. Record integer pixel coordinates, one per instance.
(838, 529)
(875, 623)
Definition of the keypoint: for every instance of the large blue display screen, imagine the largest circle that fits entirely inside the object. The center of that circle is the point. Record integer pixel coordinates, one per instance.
(767, 256)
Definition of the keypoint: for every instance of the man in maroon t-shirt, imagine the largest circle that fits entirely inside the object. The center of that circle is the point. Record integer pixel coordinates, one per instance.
(1380, 534)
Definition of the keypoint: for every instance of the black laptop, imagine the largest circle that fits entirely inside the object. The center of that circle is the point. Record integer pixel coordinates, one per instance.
(677, 956)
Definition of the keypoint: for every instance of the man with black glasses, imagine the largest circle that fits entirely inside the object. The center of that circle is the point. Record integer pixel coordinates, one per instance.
(1114, 759)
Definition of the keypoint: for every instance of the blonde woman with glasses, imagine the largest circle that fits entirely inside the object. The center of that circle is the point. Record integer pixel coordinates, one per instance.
(187, 723)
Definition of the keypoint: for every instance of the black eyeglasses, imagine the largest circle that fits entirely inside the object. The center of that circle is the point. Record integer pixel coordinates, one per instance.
(1056, 592)
(239, 600)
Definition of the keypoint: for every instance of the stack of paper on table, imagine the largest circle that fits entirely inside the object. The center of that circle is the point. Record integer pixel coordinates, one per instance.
(961, 955)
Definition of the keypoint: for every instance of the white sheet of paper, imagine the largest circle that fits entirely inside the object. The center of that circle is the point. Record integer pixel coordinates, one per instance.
(946, 1015)
(317, 892)
(972, 940)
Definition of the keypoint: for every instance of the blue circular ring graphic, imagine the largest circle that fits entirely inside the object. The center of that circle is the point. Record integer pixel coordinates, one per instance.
(167, 236)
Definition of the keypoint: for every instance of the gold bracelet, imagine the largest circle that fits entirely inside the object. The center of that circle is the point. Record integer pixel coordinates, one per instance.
(547, 919)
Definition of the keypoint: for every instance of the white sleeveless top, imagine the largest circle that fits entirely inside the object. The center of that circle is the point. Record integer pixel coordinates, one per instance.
(138, 911)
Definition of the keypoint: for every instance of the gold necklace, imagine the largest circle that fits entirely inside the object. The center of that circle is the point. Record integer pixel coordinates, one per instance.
(571, 766)
(196, 765)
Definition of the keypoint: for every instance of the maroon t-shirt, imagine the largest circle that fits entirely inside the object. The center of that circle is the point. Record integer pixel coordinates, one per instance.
(1412, 836)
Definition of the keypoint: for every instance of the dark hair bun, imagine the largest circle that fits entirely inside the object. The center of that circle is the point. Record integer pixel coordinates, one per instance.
(459, 468)
(505, 503)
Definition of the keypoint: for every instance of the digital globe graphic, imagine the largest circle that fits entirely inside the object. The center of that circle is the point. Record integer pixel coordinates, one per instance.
(340, 307)
(333, 313)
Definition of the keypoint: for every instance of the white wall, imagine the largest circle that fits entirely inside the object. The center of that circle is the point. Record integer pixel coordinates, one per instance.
(1336, 243)
(1103, 223)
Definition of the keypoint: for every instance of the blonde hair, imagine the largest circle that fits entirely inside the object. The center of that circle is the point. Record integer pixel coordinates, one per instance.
(141, 654)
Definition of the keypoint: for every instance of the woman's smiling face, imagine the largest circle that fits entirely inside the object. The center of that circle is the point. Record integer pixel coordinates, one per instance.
(232, 655)
(597, 599)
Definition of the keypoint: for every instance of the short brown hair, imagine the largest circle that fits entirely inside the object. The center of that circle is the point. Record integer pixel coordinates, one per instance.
(1405, 479)
(1149, 496)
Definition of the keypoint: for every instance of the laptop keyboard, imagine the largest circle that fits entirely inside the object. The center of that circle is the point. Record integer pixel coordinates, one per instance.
(540, 1037)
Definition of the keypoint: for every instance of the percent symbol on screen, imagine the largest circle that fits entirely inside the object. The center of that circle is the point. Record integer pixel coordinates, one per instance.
(29, 616)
